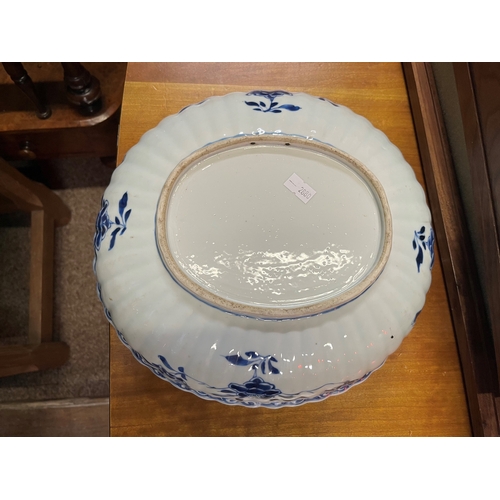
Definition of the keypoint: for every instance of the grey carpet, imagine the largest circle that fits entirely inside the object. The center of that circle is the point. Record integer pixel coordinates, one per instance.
(78, 317)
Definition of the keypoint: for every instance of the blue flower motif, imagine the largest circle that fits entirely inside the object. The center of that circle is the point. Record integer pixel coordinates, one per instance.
(102, 224)
(272, 106)
(244, 394)
(255, 387)
(421, 244)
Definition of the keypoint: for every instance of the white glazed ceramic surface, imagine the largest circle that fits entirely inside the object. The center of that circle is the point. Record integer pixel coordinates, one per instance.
(236, 232)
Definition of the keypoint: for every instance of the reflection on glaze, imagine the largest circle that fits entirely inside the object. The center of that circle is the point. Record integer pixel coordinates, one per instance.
(278, 272)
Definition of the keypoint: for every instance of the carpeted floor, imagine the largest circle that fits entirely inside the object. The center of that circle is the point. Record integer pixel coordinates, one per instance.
(78, 317)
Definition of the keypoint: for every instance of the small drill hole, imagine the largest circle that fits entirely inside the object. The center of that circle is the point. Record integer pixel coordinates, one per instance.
(252, 143)
(287, 144)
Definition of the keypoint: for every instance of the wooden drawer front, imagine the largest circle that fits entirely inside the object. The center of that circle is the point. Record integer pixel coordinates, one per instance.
(98, 140)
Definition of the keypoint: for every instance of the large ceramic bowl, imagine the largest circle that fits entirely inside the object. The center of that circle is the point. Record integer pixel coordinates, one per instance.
(263, 249)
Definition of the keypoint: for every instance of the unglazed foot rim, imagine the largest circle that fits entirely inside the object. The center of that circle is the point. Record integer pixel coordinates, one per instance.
(258, 311)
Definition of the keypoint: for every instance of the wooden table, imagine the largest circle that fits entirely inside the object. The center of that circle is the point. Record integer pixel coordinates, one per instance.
(418, 392)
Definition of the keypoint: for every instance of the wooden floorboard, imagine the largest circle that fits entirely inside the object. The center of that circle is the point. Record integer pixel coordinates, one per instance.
(65, 417)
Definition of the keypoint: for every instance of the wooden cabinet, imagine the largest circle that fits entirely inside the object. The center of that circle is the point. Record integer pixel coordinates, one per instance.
(66, 132)
(463, 188)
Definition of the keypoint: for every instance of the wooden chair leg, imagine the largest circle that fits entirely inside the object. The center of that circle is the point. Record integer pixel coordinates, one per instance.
(47, 211)
(21, 78)
(28, 195)
(82, 88)
(41, 277)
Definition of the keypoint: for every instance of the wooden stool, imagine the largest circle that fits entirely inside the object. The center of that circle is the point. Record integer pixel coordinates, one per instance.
(47, 211)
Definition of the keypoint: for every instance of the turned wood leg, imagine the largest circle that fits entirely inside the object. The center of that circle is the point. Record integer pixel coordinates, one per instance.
(21, 78)
(82, 88)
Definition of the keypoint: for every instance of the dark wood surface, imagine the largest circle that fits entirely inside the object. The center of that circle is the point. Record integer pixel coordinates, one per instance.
(418, 392)
(67, 132)
(23, 81)
(82, 89)
(61, 418)
(468, 311)
(16, 113)
(478, 85)
(15, 359)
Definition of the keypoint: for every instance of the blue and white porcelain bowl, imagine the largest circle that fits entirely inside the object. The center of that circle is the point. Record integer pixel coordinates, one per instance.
(263, 249)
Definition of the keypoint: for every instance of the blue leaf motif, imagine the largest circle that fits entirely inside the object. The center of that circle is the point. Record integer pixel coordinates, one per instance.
(272, 105)
(256, 361)
(420, 258)
(165, 362)
(104, 223)
(236, 359)
(122, 204)
(290, 107)
(113, 238)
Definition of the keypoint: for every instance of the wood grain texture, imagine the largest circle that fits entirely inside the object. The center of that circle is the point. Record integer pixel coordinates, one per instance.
(479, 105)
(85, 417)
(41, 277)
(419, 391)
(15, 359)
(17, 112)
(460, 273)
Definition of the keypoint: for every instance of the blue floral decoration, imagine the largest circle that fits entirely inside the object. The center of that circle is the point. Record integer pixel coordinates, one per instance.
(255, 387)
(104, 223)
(246, 393)
(271, 106)
(421, 244)
(256, 361)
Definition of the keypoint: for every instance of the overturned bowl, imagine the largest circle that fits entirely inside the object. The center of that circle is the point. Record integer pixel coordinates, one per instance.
(263, 249)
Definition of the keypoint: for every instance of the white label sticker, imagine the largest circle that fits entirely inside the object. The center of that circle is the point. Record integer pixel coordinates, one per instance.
(301, 189)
